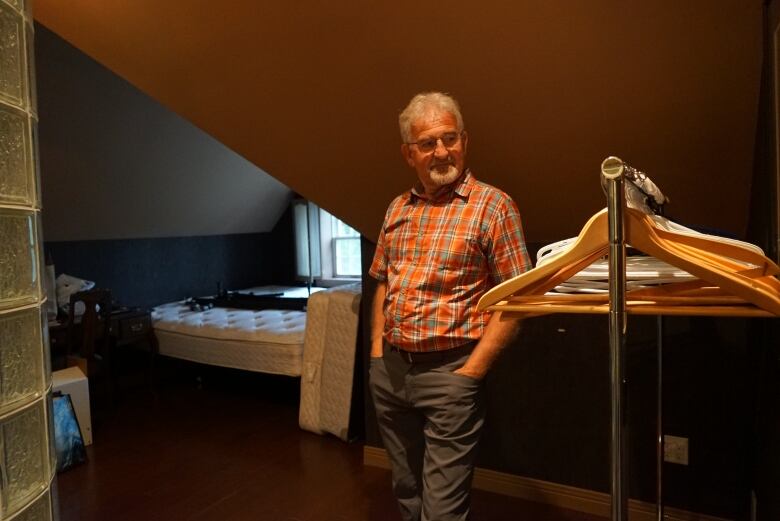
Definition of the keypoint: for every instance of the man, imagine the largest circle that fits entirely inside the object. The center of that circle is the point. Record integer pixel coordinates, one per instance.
(442, 245)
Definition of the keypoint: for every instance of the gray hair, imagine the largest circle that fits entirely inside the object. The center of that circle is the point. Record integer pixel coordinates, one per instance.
(423, 103)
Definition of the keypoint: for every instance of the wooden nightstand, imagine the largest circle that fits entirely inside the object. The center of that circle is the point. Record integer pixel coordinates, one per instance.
(132, 326)
(129, 327)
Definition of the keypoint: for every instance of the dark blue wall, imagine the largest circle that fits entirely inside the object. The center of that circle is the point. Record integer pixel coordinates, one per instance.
(146, 272)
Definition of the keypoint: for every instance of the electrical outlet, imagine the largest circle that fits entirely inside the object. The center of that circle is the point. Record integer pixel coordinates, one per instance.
(675, 449)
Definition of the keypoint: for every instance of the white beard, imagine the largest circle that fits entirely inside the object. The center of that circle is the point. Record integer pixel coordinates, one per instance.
(442, 179)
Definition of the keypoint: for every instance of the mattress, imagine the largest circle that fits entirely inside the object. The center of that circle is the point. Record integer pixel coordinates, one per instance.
(329, 359)
(268, 341)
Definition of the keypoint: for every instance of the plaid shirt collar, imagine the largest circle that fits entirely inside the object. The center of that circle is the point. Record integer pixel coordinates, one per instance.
(461, 187)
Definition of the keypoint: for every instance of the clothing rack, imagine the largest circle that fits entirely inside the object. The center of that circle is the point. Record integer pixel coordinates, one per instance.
(731, 279)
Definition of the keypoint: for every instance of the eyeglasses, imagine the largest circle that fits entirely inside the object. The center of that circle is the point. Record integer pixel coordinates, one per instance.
(449, 140)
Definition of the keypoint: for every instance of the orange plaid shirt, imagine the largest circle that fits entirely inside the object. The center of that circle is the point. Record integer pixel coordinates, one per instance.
(439, 256)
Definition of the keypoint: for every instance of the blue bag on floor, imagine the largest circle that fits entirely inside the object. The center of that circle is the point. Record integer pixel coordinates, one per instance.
(68, 443)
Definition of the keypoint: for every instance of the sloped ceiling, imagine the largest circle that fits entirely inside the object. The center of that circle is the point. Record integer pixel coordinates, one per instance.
(309, 91)
(117, 165)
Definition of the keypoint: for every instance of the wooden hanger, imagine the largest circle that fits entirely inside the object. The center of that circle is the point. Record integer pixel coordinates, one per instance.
(708, 266)
(591, 243)
(715, 245)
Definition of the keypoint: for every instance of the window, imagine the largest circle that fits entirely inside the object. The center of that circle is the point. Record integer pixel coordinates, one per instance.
(326, 244)
(345, 247)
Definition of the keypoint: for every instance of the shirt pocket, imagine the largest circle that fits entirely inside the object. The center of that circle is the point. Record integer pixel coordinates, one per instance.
(456, 255)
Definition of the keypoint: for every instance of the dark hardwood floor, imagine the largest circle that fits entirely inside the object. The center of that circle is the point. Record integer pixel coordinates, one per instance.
(225, 445)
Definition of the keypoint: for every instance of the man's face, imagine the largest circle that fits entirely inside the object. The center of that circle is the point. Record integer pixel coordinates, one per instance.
(440, 166)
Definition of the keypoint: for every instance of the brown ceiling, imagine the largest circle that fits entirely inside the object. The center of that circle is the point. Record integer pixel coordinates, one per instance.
(309, 91)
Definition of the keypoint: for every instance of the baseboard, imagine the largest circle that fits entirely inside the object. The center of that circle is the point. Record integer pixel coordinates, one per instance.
(563, 496)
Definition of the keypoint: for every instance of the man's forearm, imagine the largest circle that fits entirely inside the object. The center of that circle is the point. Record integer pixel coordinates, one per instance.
(498, 333)
(378, 319)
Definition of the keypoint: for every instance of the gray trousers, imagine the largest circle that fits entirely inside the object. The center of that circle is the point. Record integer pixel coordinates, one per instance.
(430, 421)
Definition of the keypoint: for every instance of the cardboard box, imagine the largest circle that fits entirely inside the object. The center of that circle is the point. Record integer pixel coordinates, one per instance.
(73, 382)
(77, 361)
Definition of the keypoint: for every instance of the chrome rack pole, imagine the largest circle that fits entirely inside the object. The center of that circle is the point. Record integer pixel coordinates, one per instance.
(612, 168)
(659, 425)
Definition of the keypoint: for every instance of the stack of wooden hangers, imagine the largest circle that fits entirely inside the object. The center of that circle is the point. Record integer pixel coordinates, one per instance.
(728, 277)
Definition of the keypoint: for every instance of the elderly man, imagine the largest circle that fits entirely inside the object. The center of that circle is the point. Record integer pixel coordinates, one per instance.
(442, 245)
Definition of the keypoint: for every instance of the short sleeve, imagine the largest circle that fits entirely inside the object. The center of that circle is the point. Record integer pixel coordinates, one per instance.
(508, 256)
(378, 268)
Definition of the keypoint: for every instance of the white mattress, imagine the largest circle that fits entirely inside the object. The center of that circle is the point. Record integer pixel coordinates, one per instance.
(268, 341)
(329, 360)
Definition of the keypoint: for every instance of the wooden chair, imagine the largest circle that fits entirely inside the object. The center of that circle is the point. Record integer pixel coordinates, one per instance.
(89, 341)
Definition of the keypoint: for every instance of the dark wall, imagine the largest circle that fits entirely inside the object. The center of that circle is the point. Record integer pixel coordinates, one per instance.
(146, 272)
(765, 335)
(766, 426)
(549, 406)
(369, 288)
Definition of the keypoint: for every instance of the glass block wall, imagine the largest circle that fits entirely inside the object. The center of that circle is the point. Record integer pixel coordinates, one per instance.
(27, 460)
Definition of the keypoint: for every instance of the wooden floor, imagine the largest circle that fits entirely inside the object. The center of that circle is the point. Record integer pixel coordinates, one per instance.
(227, 447)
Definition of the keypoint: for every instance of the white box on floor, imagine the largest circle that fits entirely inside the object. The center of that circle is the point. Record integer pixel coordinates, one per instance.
(73, 382)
